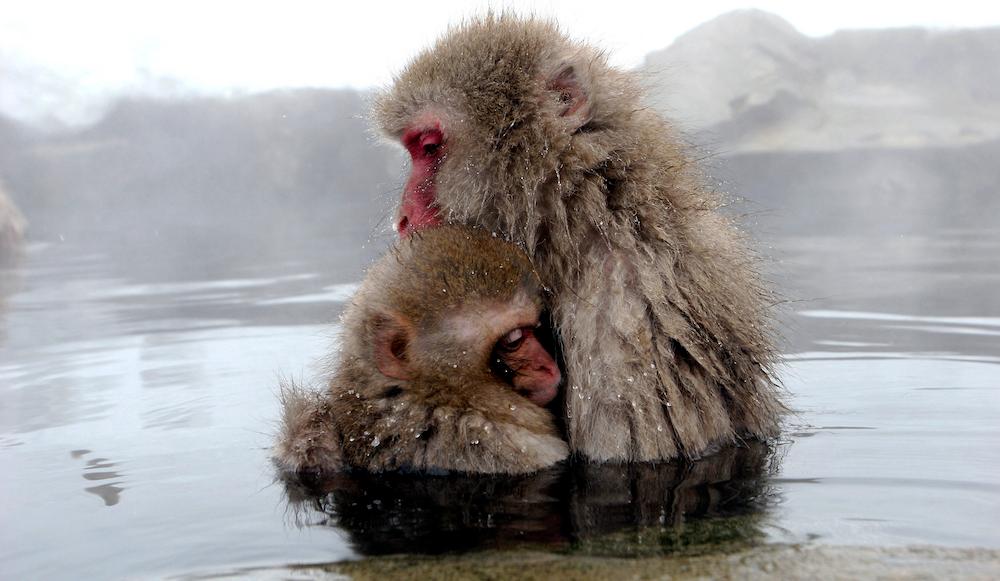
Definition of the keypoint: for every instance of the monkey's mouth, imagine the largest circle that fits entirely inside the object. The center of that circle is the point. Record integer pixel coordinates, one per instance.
(540, 396)
(523, 362)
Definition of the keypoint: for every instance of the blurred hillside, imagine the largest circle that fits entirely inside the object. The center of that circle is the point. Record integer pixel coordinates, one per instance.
(889, 131)
(248, 173)
(892, 130)
(754, 83)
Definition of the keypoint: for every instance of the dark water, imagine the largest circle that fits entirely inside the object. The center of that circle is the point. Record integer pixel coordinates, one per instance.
(136, 411)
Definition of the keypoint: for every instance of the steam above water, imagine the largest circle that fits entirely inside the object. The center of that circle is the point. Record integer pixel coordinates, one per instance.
(873, 130)
(184, 253)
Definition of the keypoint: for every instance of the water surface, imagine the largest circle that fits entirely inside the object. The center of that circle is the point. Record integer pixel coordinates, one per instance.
(137, 405)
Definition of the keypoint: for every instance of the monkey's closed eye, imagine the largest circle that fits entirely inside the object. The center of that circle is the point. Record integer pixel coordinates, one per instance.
(424, 144)
(511, 341)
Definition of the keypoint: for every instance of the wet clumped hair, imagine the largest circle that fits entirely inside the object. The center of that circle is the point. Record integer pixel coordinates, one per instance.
(665, 323)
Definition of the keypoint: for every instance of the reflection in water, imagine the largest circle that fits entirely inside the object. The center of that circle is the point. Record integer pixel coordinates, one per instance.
(108, 492)
(10, 280)
(99, 469)
(603, 509)
(892, 368)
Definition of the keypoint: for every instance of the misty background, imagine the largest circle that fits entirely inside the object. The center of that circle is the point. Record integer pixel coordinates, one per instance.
(857, 131)
(199, 191)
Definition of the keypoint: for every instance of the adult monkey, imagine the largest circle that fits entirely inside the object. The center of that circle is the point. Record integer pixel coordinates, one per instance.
(664, 322)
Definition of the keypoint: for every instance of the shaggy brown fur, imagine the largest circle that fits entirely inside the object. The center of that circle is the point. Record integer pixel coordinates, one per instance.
(454, 413)
(664, 321)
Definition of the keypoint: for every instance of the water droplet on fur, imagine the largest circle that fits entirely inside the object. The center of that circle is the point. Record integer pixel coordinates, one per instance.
(351, 439)
(376, 442)
(475, 442)
(630, 379)
(575, 387)
(513, 407)
(659, 428)
(668, 404)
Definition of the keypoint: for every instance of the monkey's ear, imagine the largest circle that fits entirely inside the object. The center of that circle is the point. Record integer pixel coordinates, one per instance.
(391, 336)
(569, 88)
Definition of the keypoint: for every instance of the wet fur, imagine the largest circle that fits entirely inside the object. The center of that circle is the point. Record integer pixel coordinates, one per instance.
(454, 416)
(666, 330)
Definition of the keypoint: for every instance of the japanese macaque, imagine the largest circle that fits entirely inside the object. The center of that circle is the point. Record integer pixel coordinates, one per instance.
(664, 322)
(12, 227)
(440, 367)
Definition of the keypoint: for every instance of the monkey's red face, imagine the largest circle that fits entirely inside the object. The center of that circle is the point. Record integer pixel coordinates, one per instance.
(507, 333)
(426, 144)
(485, 344)
(527, 365)
(490, 117)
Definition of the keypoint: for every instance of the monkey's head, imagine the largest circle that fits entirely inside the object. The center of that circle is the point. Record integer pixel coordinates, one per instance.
(492, 115)
(453, 311)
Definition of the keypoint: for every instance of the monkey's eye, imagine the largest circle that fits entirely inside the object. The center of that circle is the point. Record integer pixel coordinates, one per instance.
(424, 144)
(511, 341)
(430, 142)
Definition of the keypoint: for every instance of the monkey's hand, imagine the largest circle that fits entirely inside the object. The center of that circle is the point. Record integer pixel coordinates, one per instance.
(307, 440)
(521, 440)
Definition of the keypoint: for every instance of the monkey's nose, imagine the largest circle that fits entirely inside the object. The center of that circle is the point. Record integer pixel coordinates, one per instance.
(402, 227)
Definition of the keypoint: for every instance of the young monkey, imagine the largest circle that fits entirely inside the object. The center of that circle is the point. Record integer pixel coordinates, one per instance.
(439, 367)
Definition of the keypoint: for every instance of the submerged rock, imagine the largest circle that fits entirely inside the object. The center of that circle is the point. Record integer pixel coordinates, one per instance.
(804, 562)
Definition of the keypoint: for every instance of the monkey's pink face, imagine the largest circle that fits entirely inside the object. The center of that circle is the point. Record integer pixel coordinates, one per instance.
(516, 354)
(535, 374)
(426, 144)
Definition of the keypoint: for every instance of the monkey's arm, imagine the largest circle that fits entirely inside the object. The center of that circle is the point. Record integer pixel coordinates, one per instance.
(505, 435)
(476, 440)
(308, 440)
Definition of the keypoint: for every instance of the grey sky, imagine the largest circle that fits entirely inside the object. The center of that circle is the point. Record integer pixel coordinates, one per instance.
(83, 51)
